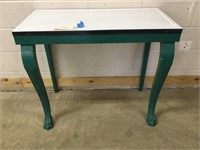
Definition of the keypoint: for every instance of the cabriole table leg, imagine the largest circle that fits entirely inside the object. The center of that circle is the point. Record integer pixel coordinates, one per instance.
(144, 65)
(164, 65)
(51, 67)
(31, 66)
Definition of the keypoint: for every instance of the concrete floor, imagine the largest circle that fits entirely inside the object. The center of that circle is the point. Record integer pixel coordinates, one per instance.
(100, 119)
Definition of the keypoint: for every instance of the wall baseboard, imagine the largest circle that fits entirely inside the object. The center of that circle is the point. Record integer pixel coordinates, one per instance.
(100, 82)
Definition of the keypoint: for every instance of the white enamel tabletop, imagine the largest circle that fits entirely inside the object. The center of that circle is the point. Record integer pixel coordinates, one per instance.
(97, 19)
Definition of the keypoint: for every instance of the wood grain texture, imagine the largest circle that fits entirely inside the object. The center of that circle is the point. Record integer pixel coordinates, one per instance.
(98, 81)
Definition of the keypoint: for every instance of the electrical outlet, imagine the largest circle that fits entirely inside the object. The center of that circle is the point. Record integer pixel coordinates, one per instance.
(185, 45)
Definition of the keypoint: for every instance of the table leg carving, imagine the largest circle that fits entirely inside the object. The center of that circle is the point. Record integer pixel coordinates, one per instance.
(164, 65)
(31, 66)
(51, 67)
(144, 65)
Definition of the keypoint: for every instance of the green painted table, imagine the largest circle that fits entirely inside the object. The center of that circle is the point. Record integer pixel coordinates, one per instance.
(144, 25)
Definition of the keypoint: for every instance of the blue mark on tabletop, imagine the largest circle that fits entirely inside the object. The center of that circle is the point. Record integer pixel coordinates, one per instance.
(80, 24)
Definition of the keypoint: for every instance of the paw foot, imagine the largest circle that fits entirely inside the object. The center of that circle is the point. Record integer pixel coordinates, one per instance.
(151, 120)
(48, 123)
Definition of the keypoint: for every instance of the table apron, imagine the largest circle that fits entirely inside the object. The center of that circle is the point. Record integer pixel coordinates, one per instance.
(101, 38)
